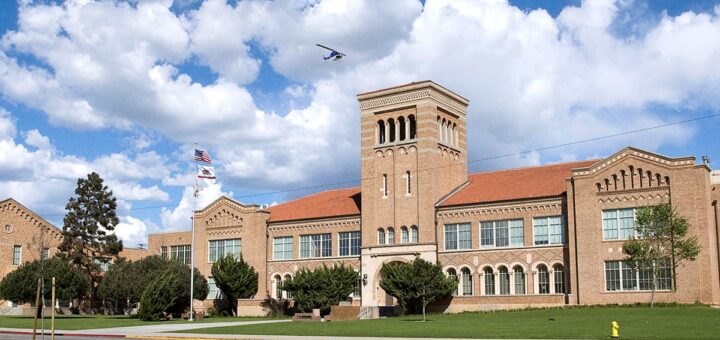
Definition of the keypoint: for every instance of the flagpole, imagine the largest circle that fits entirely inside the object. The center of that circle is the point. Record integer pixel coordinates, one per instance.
(192, 241)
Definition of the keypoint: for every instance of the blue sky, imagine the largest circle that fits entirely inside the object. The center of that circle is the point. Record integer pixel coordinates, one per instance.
(126, 88)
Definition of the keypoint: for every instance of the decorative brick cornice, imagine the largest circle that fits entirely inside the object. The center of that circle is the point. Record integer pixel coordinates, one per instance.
(408, 97)
(12, 206)
(554, 207)
(634, 197)
(328, 225)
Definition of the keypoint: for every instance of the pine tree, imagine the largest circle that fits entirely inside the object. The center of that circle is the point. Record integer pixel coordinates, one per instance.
(88, 228)
(235, 278)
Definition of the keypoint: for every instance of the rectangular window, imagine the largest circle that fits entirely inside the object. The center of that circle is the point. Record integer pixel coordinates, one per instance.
(503, 233)
(407, 182)
(163, 252)
(283, 248)
(350, 243)
(214, 293)
(220, 248)
(385, 185)
(458, 236)
(180, 253)
(621, 276)
(17, 255)
(618, 224)
(548, 230)
(318, 245)
(45, 253)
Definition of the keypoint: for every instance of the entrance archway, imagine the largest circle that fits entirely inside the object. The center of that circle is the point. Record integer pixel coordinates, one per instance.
(385, 299)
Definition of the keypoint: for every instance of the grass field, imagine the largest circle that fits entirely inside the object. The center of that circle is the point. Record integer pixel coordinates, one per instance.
(683, 322)
(76, 322)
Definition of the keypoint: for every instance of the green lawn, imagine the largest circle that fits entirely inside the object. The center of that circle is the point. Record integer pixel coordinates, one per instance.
(683, 322)
(76, 322)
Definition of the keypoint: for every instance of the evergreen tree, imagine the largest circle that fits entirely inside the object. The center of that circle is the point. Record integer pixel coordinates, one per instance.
(416, 284)
(125, 282)
(20, 285)
(321, 288)
(169, 293)
(235, 278)
(88, 228)
(661, 244)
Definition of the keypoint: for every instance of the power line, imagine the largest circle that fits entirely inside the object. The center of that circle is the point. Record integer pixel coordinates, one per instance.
(544, 148)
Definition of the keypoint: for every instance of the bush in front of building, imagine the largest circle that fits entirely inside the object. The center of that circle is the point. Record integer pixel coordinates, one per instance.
(21, 284)
(235, 278)
(321, 288)
(124, 283)
(416, 284)
(169, 293)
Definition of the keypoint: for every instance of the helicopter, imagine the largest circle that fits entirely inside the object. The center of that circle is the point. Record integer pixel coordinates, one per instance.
(334, 55)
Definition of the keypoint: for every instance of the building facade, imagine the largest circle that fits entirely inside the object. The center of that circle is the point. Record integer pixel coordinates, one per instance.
(538, 236)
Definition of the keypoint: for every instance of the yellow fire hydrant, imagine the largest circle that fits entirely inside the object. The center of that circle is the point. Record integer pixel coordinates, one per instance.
(614, 330)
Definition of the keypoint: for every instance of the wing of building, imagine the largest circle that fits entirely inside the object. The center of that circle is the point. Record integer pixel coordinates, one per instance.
(537, 236)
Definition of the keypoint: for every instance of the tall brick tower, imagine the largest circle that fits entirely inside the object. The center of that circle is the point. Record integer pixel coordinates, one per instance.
(413, 153)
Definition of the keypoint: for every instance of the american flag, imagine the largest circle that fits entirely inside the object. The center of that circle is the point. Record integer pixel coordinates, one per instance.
(202, 156)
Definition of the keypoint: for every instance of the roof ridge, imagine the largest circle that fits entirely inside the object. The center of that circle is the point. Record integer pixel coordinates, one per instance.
(533, 167)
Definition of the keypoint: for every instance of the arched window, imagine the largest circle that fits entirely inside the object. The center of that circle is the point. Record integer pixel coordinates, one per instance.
(467, 286)
(622, 174)
(650, 178)
(413, 125)
(443, 127)
(381, 236)
(391, 124)
(381, 138)
(451, 273)
(489, 277)
(543, 279)
(454, 135)
(413, 234)
(402, 126)
(641, 177)
(519, 276)
(504, 280)
(278, 290)
(559, 277)
(390, 236)
(439, 128)
(632, 176)
(404, 235)
(288, 294)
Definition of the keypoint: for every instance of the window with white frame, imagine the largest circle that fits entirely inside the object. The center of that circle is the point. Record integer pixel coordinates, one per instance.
(17, 255)
(618, 224)
(451, 273)
(164, 252)
(181, 253)
(467, 286)
(559, 276)
(504, 233)
(45, 253)
(317, 245)
(381, 236)
(489, 278)
(458, 236)
(214, 293)
(519, 276)
(504, 277)
(404, 235)
(621, 276)
(390, 235)
(283, 248)
(413, 234)
(543, 279)
(218, 249)
(349, 243)
(548, 230)
(277, 282)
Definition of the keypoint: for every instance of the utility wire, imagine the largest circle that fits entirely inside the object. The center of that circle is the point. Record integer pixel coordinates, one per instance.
(544, 148)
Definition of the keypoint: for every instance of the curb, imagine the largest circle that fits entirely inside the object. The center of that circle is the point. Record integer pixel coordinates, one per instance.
(65, 334)
(166, 337)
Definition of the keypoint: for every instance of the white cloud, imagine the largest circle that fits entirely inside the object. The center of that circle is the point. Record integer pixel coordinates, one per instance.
(179, 217)
(131, 231)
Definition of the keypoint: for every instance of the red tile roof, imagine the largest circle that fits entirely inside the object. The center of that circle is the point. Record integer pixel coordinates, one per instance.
(514, 184)
(331, 203)
(495, 186)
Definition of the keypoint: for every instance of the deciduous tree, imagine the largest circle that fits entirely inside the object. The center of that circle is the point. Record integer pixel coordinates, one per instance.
(661, 243)
(416, 284)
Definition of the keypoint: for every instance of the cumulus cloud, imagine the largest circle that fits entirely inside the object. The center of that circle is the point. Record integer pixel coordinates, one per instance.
(179, 217)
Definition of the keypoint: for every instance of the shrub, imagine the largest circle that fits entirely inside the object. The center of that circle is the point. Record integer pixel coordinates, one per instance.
(21, 284)
(169, 293)
(322, 287)
(235, 278)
